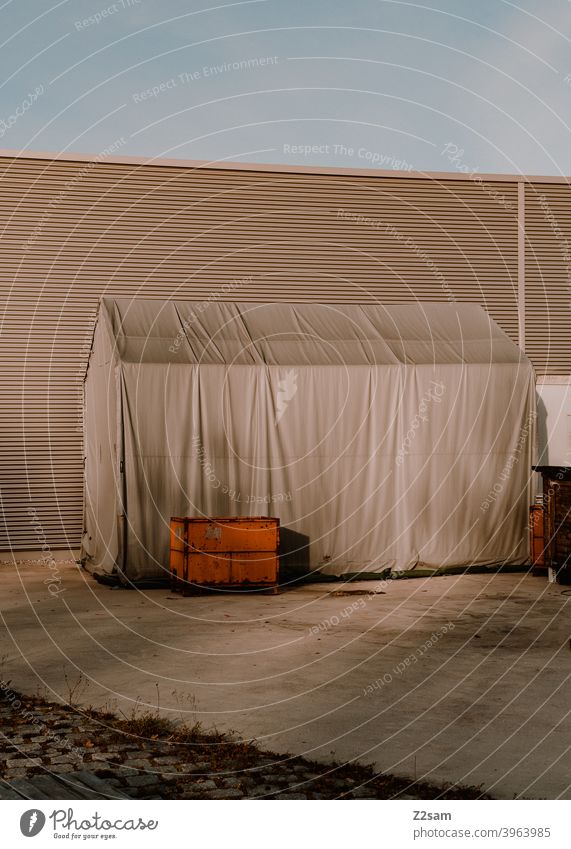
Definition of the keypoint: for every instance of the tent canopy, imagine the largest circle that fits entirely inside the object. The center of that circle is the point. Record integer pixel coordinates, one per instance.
(382, 436)
(218, 333)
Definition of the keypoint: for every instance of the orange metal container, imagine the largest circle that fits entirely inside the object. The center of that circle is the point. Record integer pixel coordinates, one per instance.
(237, 552)
(537, 538)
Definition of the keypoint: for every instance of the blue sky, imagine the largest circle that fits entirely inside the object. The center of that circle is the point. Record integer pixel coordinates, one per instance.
(441, 85)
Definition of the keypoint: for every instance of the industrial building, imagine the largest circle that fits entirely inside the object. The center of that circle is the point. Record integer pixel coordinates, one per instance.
(76, 229)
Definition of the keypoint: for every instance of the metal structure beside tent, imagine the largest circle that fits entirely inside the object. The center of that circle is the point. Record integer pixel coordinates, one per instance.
(556, 511)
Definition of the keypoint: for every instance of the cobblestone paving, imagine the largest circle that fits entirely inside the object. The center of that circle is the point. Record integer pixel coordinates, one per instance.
(147, 757)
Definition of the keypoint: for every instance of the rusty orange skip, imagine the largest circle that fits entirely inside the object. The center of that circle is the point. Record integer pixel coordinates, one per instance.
(239, 552)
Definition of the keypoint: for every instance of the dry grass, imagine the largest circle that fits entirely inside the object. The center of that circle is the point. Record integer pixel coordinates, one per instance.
(228, 754)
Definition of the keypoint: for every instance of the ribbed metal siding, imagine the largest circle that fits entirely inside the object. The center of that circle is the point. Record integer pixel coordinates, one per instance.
(73, 231)
(548, 277)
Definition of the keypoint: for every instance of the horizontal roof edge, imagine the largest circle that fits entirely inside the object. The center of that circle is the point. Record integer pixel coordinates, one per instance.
(204, 165)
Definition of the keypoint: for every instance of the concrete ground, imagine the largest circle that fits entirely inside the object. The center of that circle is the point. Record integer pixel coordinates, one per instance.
(451, 679)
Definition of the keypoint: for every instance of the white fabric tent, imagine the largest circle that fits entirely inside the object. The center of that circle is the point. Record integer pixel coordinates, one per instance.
(388, 437)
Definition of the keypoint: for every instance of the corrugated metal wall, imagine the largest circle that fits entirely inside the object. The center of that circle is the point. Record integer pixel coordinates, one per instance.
(548, 277)
(72, 231)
